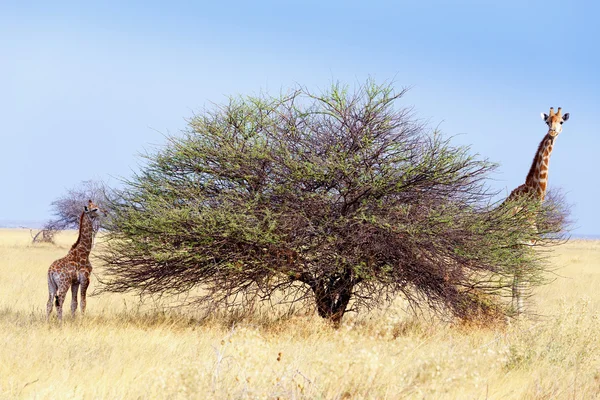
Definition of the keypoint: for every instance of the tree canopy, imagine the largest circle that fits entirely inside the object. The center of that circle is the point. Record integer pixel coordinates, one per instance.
(341, 199)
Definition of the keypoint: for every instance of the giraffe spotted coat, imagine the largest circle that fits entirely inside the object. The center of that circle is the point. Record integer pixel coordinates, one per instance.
(73, 271)
(536, 182)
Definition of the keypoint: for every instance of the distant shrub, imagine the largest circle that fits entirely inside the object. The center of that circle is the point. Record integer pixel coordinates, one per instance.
(67, 209)
(45, 235)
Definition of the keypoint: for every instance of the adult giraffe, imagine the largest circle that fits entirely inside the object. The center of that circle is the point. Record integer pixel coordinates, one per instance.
(74, 269)
(536, 181)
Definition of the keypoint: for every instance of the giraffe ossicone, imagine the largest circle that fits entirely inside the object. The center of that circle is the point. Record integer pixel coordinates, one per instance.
(74, 270)
(536, 182)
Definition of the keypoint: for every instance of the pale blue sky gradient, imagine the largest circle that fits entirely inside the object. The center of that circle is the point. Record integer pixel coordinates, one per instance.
(84, 88)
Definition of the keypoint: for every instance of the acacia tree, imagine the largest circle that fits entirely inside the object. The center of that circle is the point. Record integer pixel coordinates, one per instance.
(67, 209)
(341, 199)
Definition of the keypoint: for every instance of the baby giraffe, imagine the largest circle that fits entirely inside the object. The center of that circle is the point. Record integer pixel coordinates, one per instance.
(74, 269)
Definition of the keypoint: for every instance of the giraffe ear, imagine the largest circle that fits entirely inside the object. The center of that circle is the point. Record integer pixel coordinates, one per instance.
(544, 116)
(566, 117)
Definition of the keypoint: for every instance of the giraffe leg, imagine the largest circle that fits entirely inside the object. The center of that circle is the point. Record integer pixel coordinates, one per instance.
(74, 290)
(517, 298)
(52, 289)
(85, 282)
(519, 285)
(60, 301)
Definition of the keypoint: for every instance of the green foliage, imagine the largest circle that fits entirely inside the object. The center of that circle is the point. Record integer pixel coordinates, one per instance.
(339, 198)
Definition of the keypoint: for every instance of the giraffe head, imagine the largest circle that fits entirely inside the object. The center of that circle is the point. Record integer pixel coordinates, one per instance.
(555, 121)
(91, 210)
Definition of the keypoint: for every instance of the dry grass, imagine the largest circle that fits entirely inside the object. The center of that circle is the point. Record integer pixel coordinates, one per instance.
(121, 350)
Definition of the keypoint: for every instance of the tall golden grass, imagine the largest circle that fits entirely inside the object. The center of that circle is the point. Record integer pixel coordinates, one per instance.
(120, 349)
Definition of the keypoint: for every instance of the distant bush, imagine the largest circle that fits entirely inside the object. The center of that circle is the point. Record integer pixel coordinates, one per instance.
(339, 199)
(46, 235)
(67, 209)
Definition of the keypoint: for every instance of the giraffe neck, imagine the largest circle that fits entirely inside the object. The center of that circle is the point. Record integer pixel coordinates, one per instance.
(83, 245)
(537, 178)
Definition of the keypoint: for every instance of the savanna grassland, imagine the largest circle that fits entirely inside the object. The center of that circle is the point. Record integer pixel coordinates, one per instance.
(122, 349)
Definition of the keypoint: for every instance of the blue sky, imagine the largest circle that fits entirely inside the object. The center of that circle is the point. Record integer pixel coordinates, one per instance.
(84, 88)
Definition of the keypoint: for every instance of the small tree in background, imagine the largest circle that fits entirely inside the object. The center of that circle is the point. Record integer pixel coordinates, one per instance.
(340, 200)
(67, 209)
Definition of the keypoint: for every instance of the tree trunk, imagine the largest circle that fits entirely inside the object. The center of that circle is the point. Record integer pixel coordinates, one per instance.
(332, 294)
